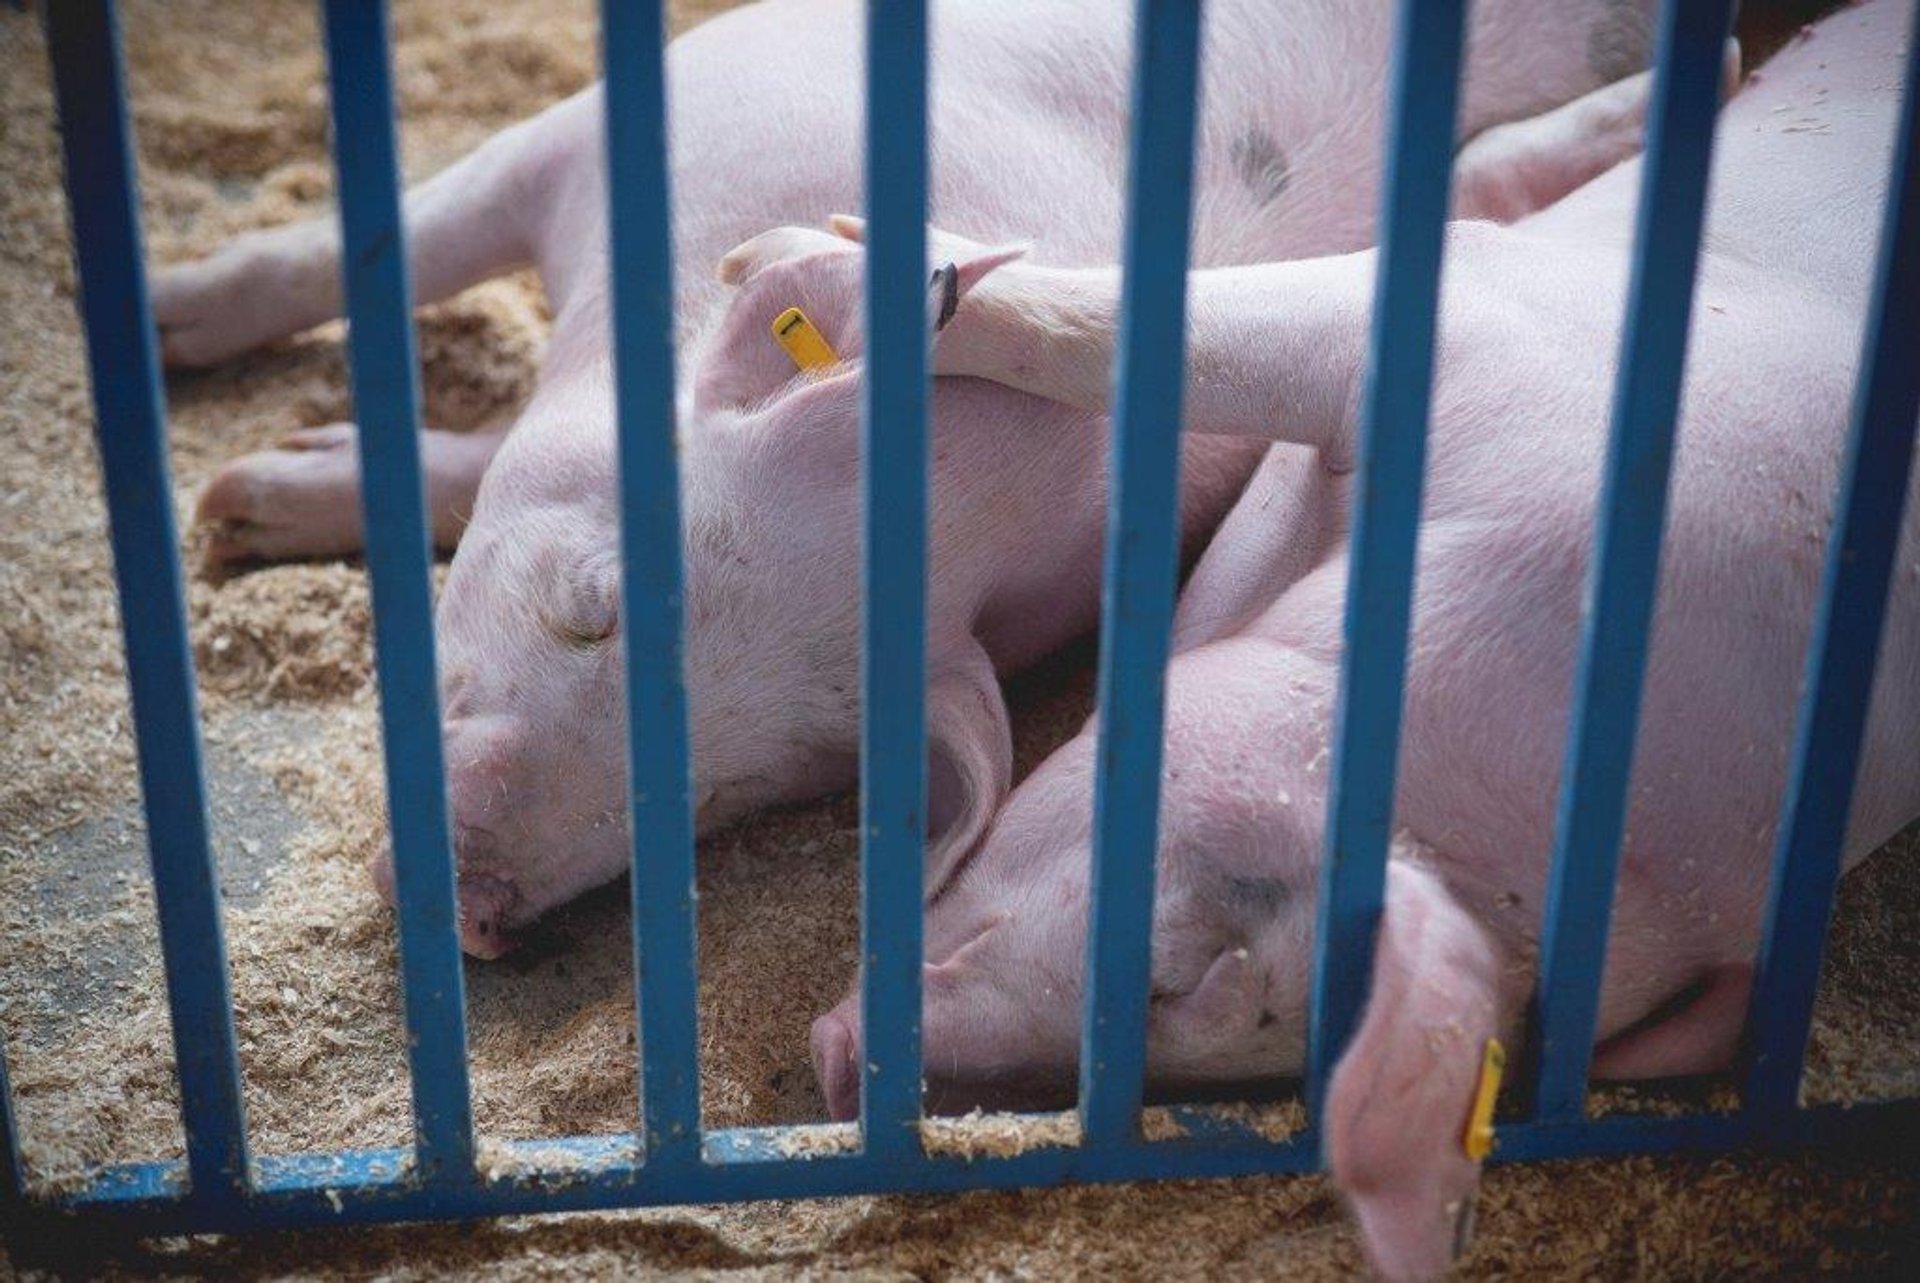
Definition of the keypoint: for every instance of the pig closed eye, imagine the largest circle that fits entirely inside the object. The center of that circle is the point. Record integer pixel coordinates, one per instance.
(583, 637)
(1164, 988)
(589, 617)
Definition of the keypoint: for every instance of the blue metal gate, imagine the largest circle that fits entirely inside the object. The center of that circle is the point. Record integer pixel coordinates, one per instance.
(669, 1158)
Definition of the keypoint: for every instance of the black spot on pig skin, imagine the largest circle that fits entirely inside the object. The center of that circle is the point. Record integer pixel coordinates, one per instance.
(1261, 165)
(1265, 896)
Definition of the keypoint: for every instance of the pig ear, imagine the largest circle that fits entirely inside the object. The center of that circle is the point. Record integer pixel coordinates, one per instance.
(1399, 1101)
(742, 365)
(971, 260)
(969, 763)
(746, 260)
(1223, 1006)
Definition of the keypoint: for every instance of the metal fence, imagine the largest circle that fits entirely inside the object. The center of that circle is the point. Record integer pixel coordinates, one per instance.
(669, 1157)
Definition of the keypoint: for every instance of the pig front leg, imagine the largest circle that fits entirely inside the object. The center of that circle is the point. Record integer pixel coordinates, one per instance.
(1701, 1036)
(474, 220)
(1274, 350)
(1291, 517)
(1520, 168)
(302, 499)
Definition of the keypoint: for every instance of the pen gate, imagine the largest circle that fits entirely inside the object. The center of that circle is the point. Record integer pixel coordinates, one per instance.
(668, 1157)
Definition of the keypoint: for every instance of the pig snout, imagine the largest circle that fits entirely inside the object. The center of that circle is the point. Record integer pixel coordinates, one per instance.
(483, 902)
(478, 760)
(836, 1061)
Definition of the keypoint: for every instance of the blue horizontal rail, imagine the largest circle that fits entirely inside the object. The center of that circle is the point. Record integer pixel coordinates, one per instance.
(757, 1163)
(893, 765)
(1142, 561)
(1386, 518)
(131, 428)
(1840, 666)
(1625, 572)
(652, 609)
(386, 399)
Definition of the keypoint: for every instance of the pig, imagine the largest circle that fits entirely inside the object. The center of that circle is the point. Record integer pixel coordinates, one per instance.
(1526, 360)
(1028, 120)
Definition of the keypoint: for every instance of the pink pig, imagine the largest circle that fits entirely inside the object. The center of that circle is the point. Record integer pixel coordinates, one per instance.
(1029, 122)
(1529, 324)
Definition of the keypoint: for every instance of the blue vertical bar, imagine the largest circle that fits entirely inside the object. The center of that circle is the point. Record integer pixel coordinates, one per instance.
(660, 808)
(1625, 573)
(13, 1179)
(893, 775)
(83, 39)
(1834, 701)
(1142, 560)
(1386, 517)
(386, 398)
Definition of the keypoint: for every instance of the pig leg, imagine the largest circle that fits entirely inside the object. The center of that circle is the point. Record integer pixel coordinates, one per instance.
(969, 761)
(1515, 169)
(1700, 1038)
(1293, 514)
(1519, 168)
(1274, 350)
(480, 217)
(303, 498)
(472, 221)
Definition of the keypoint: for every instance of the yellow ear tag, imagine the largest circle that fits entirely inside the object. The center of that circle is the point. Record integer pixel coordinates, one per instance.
(807, 347)
(1493, 1065)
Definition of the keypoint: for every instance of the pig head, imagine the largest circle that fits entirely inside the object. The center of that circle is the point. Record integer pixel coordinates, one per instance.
(530, 618)
(1234, 921)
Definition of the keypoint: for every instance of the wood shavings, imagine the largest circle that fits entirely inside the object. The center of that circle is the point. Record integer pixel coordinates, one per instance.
(818, 1140)
(1278, 1121)
(982, 1135)
(1158, 1123)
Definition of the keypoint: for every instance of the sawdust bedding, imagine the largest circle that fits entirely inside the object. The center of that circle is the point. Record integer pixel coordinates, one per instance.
(229, 106)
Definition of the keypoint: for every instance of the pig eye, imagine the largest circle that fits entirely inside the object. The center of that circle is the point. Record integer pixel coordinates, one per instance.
(589, 612)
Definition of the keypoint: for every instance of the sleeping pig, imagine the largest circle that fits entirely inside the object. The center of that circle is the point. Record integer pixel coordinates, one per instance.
(1525, 369)
(1029, 123)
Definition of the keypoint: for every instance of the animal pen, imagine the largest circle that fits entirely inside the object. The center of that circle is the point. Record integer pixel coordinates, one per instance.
(668, 1157)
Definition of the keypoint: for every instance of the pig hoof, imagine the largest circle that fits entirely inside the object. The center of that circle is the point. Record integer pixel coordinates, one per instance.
(247, 294)
(198, 321)
(300, 500)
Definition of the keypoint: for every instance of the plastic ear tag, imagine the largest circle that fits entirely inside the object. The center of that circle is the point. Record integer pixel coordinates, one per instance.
(805, 345)
(946, 278)
(1493, 1066)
